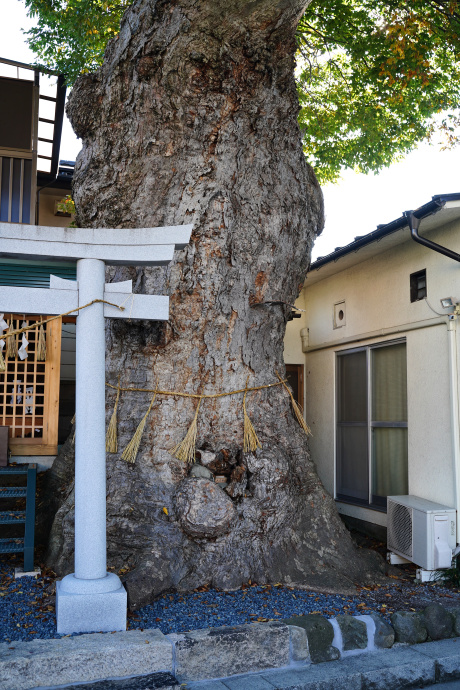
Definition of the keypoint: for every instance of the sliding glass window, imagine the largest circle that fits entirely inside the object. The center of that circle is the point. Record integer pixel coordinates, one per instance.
(372, 424)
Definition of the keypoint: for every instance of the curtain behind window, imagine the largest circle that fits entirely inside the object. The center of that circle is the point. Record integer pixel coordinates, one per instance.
(389, 462)
(389, 405)
(389, 384)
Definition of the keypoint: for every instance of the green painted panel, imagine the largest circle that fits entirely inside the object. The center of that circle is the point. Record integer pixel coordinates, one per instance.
(34, 275)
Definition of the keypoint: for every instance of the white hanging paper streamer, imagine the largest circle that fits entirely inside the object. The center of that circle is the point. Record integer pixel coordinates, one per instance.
(3, 326)
(18, 396)
(22, 352)
(29, 399)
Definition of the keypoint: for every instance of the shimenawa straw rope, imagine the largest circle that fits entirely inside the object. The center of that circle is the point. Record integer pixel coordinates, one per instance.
(41, 345)
(111, 442)
(250, 439)
(11, 346)
(297, 409)
(185, 450)
(198, 395)
(130, 452)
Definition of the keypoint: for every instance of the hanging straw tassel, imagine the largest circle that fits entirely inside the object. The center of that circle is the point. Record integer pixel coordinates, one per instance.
(111, 442)
(250, 439)
(11, 346)
(185, 450)
(41, 345)
(2, 361)
(297, 409)
(130, 452)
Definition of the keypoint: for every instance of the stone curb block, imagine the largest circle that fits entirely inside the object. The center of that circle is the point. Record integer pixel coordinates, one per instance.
(227, 651)
(300, 642)
(397, 668)
(401, 667)
(96, 656)
(447, 656)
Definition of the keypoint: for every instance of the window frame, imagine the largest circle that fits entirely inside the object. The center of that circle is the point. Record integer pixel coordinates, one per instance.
(414, 286)
(373, 502)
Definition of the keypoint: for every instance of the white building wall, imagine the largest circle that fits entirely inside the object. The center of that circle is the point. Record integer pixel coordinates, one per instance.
(429, 428)
(377, 309)
(293, 353)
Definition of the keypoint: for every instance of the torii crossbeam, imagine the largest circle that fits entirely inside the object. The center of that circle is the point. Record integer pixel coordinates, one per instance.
(90, 599)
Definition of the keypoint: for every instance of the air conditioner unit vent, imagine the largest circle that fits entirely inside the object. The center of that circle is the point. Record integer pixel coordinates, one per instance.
(400, 528)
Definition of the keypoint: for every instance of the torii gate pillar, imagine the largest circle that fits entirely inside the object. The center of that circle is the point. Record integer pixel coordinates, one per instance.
(90, 599)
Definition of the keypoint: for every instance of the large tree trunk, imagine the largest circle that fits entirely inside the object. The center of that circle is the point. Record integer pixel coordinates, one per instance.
(192, 119)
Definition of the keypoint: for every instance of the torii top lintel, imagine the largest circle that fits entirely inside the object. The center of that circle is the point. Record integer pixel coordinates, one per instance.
(119, 246)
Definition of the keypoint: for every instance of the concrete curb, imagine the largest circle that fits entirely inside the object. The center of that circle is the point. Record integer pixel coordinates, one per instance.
(25, 665)
(209, 653)
(295, 647)
(394, 669)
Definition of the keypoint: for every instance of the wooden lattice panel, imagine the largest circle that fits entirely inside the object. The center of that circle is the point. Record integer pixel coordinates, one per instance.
(29, 390)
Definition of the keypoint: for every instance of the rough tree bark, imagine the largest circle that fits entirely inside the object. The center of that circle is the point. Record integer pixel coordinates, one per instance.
(192, 118)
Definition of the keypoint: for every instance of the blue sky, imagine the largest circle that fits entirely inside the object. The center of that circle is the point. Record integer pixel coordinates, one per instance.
(354, 206)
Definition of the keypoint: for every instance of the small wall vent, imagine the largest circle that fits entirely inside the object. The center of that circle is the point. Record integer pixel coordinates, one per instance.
(339, 314)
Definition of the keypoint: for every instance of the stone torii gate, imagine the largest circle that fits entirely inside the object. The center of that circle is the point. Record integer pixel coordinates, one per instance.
(90, 599)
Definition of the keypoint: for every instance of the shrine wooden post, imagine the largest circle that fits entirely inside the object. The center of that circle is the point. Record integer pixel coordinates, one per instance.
(90, 599)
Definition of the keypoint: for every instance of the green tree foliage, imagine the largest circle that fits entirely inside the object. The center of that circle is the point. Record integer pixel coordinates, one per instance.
(71, 35)
(375, 77)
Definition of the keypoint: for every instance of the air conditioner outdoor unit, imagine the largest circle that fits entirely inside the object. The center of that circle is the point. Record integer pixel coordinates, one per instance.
(421, 531)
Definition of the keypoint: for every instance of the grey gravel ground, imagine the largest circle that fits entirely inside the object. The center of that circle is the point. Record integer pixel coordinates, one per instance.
(27, 608)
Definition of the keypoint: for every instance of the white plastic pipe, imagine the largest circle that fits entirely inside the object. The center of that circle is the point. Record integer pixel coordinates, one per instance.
(454, 408)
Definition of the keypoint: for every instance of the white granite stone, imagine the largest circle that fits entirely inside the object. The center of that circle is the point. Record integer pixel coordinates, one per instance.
(59, 301)
(84, 658)
(122, 246)
(96, 612)
(229, 650)
(38, 300)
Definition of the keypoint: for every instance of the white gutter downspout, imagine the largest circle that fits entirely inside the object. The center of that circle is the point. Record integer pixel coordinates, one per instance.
(454, 409)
